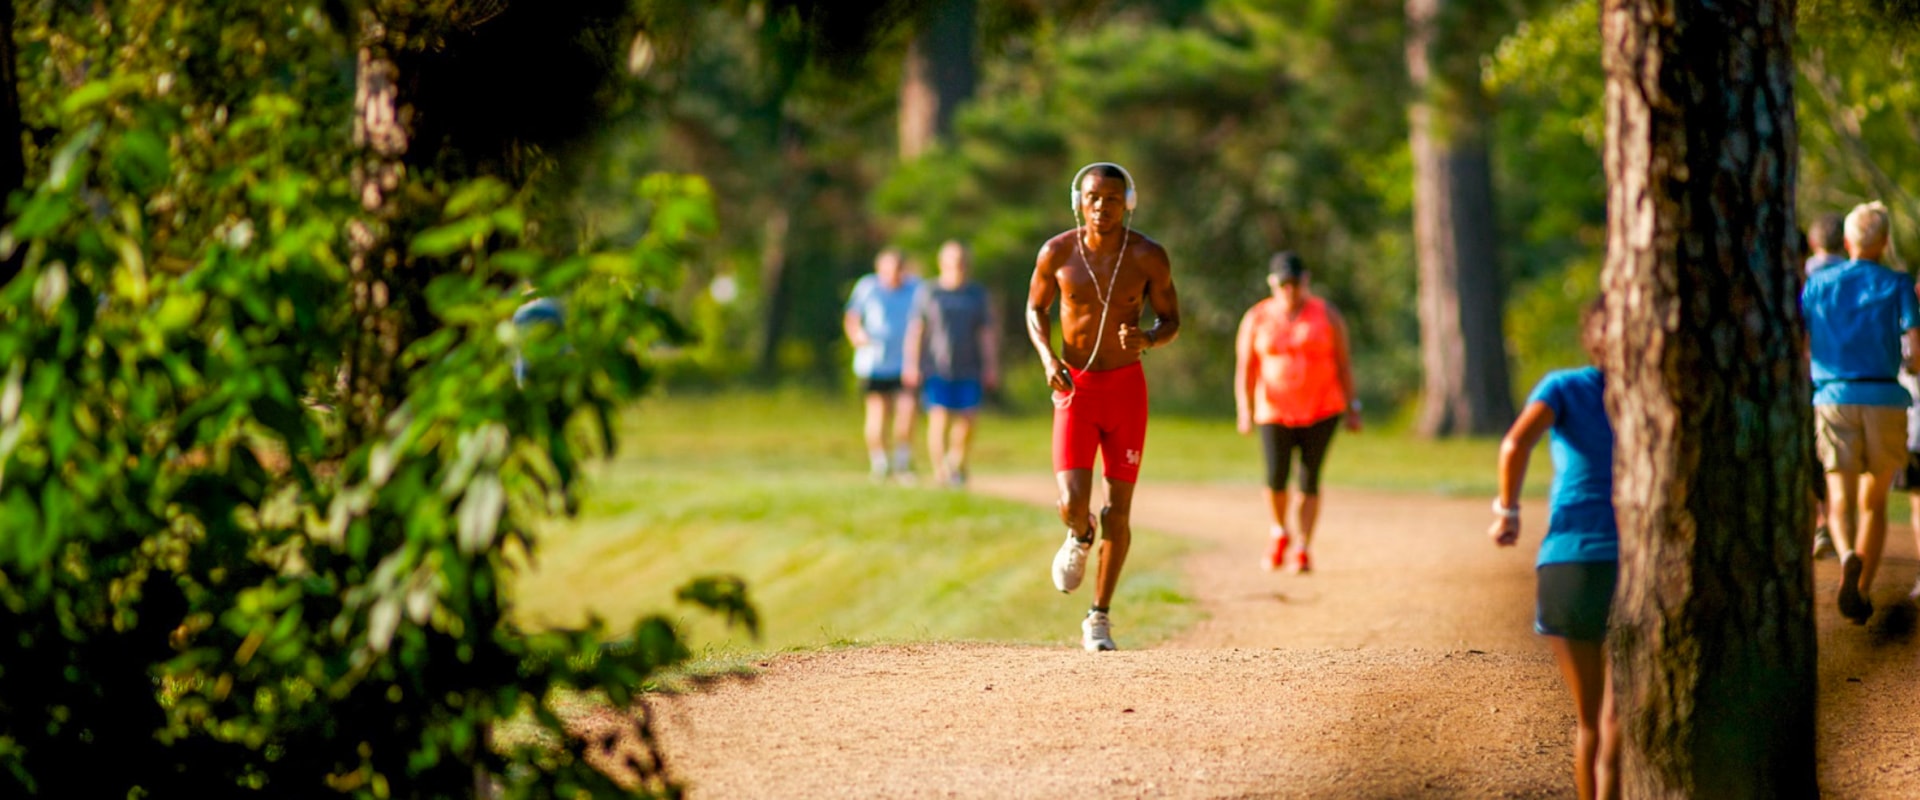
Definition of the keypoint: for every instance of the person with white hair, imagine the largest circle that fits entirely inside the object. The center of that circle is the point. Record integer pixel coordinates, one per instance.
(1860, 316)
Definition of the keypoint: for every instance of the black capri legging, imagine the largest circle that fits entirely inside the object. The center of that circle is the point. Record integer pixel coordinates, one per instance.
(1280, 441)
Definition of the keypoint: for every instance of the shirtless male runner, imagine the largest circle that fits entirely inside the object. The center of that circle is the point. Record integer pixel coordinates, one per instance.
(1104, 274)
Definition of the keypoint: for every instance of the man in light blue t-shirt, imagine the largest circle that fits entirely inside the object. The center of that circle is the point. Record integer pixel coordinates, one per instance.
(876, 325)
(1860, 316)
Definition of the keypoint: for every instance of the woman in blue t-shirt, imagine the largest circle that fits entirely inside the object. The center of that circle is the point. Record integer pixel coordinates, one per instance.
(1579, 557)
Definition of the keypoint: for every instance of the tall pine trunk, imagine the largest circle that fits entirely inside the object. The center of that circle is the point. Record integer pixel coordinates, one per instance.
(382, 134)
(13, 160)
(939, 73)
(1709, 391)
(1462, 347)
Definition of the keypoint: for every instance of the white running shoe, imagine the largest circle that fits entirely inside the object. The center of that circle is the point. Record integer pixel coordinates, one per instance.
(1070, 564)
(1096, 632)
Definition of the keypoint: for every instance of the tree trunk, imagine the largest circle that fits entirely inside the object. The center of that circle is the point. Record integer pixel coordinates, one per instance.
(1462, 346)
(939, 74)
(13, 160)
(382, 131)
(773, 287)
(1709, 392)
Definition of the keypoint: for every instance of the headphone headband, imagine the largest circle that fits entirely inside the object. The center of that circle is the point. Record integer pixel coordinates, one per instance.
(1073, 190)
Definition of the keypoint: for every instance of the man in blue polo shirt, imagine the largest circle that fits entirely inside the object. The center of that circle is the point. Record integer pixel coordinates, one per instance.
(1857, 315)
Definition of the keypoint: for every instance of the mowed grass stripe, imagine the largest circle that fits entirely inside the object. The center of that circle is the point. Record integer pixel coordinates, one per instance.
(772, 487)
(830, 560)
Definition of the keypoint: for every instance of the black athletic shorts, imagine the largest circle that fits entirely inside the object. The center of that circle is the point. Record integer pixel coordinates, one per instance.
(1820, 475)
(1280, 441)
(881, 385)
(1575, 599)
(1907, 478)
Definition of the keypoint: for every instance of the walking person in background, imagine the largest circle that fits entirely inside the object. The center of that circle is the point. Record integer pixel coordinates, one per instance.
(1908, 477)
(1104, 275)
(1828, 241)
(1828, 245)
(1860, 317)
(1293, 381)
(1578, 563)
(876, 326)
(953, 354)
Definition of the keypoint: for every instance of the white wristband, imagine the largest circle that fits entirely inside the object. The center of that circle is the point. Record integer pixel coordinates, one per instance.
(1509, 513)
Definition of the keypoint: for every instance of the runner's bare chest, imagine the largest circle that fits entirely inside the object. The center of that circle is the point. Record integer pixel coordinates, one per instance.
(1110, 283)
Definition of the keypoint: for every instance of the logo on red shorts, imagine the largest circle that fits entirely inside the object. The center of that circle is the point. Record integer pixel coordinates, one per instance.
(1133, 458)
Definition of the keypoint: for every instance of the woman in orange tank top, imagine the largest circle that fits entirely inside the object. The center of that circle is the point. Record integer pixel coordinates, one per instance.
(1293, 381)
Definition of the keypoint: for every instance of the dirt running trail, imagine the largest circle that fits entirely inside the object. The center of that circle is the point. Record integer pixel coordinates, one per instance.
(1403, 667)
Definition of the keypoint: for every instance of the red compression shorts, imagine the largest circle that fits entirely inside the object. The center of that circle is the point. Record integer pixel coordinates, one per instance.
(1107, 411)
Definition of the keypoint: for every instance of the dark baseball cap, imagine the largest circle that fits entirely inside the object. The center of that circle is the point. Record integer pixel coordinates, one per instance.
(1285, 266)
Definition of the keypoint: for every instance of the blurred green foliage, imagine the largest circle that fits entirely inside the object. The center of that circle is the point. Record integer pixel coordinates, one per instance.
(210, 583)
(1252, 126)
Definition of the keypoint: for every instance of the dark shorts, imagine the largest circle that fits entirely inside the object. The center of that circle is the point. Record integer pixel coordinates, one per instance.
(1279, 442)
(1820, 475)
(1908, 477)
(890, 385)
(1575, 599)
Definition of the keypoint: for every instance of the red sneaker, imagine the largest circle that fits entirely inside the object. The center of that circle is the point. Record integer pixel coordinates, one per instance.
(1278, 555)
(1303, 564)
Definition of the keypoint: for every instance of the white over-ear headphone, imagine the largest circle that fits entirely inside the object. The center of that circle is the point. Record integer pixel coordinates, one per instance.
(1073, 191)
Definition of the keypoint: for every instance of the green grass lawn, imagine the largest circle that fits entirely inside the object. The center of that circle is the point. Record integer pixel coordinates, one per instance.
(773, 488)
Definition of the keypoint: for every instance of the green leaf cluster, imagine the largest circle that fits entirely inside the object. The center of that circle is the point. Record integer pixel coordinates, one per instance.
(211, 583)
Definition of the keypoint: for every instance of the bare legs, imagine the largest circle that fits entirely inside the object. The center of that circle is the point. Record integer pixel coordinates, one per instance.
(1913, 501)
(949, 443)
(1116, 520)
(1596, 735)
(889, 413)
(1857, 518)
(1306, 514)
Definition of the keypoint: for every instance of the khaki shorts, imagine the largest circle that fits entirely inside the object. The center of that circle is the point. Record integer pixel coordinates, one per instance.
(1861, 439)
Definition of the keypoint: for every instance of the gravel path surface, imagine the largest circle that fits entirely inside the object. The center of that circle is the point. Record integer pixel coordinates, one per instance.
(1404, 666)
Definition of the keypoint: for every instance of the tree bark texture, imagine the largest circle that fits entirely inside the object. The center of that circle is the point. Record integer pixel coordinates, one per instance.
(382, 132)
(940, 73)
(773, 284)
(1462, 346)
(1709, 393)
(13, 160)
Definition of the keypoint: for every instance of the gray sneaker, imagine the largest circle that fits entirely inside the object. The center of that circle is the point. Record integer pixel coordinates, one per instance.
(1070, 564)
(1822, 543)
(1096, 632)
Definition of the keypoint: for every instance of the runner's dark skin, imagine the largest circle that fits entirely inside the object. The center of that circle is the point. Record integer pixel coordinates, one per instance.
(1145, 280)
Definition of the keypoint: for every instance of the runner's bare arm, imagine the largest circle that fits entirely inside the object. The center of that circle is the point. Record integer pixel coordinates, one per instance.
(1162, 297)
(856, 334)
(1042, 291)
(990, 347)
(1913, 350)
(910, 362)
(1244, 374)
(1515, 449)
(1343, 364)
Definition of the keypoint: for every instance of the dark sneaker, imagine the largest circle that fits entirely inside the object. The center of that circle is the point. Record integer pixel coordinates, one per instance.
(1853, 605)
